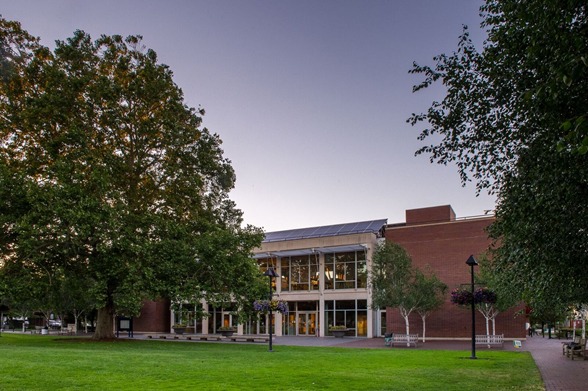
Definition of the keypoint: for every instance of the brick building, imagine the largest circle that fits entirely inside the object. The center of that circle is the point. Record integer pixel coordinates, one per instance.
(324, 278)
(435, 237)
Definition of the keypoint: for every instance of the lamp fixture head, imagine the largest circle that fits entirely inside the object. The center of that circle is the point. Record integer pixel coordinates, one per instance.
(472, 261)
(270, 272)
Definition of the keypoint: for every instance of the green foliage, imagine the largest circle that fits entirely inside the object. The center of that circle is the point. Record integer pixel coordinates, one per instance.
(430, 291)
(392, 277)
(108, 177)
(396, 284)
(513, 121)
(40, 363)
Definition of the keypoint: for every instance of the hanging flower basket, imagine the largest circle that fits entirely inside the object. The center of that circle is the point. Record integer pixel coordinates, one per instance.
(264, 306)
(463, 297)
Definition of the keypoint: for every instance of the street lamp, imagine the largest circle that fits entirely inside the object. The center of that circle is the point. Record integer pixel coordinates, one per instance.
(472, 262)
(271, 273)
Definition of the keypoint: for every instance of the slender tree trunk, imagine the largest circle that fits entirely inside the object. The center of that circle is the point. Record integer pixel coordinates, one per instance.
(105, 323)
(405, 315)
(77, 315)
(424, 318)
(24, 315)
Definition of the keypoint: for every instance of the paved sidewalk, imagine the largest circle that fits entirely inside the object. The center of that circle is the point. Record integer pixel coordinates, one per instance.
(559, 372)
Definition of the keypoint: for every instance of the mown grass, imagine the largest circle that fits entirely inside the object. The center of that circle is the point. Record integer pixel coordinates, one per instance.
(29, 362)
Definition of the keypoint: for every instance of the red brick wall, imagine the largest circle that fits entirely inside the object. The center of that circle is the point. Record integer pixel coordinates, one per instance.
(155, 317)
(446, 247)
(429, 215)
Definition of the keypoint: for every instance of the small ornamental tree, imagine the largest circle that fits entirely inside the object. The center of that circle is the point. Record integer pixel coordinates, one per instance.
(431, 292)
(394, 282)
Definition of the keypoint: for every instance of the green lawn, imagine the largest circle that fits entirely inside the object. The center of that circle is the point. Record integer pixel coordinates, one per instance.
(30, 362)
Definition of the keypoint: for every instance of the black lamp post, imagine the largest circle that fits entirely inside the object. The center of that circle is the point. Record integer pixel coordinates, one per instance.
(472, 262)
(271, 273)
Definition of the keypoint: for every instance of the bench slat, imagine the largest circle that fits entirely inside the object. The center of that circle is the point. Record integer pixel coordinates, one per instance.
(490, 339)
(402, 339)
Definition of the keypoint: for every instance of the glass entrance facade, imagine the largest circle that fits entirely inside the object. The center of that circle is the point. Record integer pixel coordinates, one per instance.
(302, 319)
(323, 276)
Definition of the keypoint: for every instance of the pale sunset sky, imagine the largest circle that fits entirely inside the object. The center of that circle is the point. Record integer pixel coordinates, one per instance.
(310, 98)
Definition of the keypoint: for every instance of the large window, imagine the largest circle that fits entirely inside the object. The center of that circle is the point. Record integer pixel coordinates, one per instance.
(300, 273)
(349, 313)
(221, 317)
(345, 270)
(191, 316)
(265, 263)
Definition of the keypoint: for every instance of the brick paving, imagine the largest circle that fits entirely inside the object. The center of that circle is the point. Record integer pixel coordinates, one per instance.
(559, 372)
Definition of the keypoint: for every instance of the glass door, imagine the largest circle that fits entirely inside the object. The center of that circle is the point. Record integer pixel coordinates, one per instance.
(307, 323)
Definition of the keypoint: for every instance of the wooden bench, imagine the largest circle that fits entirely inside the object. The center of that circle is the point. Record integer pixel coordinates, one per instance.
(573, 349)
(397, 339)
(566, 345)
(490, 340)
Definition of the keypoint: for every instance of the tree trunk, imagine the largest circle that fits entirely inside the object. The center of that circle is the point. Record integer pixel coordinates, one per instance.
(405, 315)
(105, 323)
(77, 315)
(424, 318)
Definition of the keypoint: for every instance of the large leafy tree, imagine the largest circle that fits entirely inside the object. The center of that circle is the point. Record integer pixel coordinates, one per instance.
(106, 174)
(513, 121)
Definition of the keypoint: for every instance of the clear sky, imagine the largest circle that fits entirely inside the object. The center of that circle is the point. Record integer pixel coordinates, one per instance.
(310, 98)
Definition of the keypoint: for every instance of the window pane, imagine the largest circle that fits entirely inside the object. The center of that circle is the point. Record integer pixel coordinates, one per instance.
(361, 274)
(362, 323)
(300, 271)
(307, 306)
(285, 278)
(329, 271)
(339, 318)
(314, 273)
(345, 304)
(350, 271)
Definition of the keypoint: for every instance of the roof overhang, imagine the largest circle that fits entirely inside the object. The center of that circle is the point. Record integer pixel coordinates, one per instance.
(310, 251)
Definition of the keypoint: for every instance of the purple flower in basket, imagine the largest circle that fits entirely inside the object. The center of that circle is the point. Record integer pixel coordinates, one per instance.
(264, 306)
